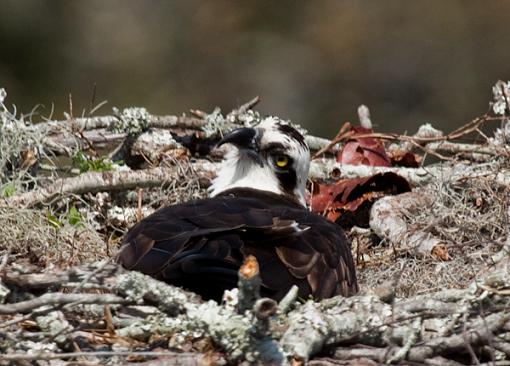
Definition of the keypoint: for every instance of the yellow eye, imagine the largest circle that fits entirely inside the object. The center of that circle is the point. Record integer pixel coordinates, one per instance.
(282, 161)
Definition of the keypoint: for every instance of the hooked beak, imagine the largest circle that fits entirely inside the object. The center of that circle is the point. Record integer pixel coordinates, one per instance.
(245, 139)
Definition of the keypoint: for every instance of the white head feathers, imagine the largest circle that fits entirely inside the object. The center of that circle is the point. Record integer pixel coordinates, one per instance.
(272, 156)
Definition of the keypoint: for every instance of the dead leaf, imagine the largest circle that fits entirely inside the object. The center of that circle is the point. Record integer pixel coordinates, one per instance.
(176, 154)
(363, 150)
(355, 195)
(28, 158)
(440, 252)
(404, 159)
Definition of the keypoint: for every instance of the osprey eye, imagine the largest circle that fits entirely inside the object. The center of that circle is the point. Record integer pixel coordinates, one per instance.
(281, 161)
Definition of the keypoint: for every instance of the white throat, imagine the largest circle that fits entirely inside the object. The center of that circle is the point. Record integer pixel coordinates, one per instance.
(242, 172)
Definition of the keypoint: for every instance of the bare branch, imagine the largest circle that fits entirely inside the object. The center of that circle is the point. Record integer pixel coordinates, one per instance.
(177, 357)
(106, 181)
(57, 298)
(248, 284)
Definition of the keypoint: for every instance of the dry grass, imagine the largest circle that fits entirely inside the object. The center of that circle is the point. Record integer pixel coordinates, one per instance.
(182, 190)
(470, 216)
(28, 235)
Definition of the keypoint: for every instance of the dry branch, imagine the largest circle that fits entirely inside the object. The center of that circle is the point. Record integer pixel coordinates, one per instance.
(57, 298)
(463, 148)
(177, 358)
(387, 220)
(248, 284)
(108, 122)
(63, 143)
(68, 136)
(107, 181)
(327, 169)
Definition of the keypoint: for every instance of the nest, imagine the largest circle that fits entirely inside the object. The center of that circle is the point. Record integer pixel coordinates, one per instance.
(98, 307)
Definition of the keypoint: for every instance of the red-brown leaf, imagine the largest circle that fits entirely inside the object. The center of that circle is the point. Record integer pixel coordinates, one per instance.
(363, 150)
(404, 159)
(332, 200)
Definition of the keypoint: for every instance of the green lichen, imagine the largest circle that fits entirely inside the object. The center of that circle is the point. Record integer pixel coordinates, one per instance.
(133, 121)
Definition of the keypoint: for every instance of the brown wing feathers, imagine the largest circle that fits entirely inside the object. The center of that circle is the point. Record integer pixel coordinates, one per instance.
(201, 244)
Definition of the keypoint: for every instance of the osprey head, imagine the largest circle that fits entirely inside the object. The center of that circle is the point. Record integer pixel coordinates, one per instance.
(271, 156)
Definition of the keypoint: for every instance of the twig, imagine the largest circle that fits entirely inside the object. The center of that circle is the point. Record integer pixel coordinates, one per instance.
(53, 356)
(309, 328)
(288, 300)
(343, 133)
(109, 320)
(102, 265)
(462, 131)
(462, 148)
(248, 284)
(15, 321)
(139, 204)
(57, 298)
(263, 309)
(325, 169)
(320, 169)
(106, 122)
(423, 141)
(242, 109)
(467, 341)
(3, 263)
(35, 280)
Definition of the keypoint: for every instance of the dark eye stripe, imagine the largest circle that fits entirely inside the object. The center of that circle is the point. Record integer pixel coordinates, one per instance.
(292, 132)
(287, 179)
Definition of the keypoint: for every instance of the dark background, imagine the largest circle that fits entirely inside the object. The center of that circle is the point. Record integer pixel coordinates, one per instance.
(314, 62)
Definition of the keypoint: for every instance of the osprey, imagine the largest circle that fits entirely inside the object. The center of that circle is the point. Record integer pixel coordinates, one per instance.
(257, 207)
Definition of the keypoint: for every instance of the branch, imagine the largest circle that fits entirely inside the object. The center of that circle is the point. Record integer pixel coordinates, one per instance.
(368, 321)
(248, 284)
(178, 357)
(324, 169)
(57, 298)
(108, 122)
(108, 181)
(387, 220)
(463, 148)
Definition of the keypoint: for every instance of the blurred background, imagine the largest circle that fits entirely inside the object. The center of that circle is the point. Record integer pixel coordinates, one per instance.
(313, 62)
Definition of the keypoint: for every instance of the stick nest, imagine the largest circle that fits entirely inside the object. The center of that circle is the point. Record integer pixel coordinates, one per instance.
(428, 308)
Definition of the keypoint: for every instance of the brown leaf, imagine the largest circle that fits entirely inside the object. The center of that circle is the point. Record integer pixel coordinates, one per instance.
(351, 195)
(440, 252)
(363, 150)
(404, 159)
(28, 158)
